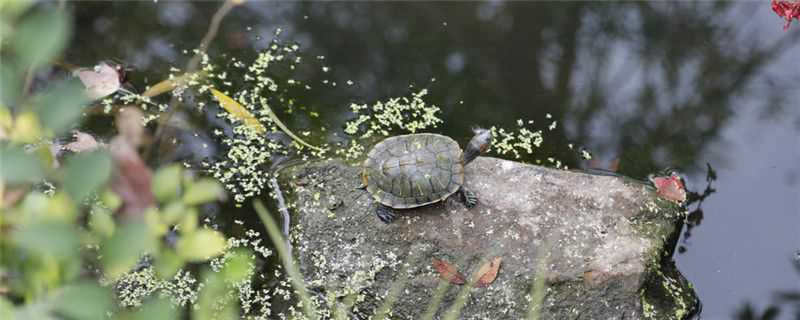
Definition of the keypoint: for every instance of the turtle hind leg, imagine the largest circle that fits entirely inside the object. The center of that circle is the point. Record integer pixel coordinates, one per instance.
(385, 213)
(469, 197)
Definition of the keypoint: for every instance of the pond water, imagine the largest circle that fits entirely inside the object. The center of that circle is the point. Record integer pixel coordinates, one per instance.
(687, 85)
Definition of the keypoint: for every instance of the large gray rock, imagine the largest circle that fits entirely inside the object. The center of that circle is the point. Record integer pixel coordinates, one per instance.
(600, 245)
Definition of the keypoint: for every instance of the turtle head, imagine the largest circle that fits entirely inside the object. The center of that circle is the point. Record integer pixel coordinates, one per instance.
(478, 145)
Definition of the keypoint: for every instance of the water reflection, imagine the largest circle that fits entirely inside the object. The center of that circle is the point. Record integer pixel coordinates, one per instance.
(652, 84)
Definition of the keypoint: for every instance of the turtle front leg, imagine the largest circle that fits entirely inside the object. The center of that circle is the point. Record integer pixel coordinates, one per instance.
(469, 197)
(385, 213)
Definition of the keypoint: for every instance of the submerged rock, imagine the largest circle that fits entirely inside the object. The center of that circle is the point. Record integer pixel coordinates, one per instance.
(599, 247)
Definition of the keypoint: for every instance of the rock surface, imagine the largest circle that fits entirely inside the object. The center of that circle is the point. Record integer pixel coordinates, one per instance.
(600, 245)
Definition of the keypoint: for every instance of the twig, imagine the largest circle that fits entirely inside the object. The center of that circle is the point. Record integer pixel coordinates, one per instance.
(192, 65)
(273, 183)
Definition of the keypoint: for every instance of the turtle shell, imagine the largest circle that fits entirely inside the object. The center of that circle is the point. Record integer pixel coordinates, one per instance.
(413, 170)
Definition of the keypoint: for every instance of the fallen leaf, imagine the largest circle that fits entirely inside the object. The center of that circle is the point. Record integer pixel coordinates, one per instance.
(238, 111)
(487, 273)
(131, 178)
(448, 272)
(670, 188)
(83, 142)
(100, 81)
(168, 85)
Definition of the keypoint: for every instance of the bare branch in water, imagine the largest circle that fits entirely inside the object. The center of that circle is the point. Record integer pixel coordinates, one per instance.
(273, 183)
(192, 65)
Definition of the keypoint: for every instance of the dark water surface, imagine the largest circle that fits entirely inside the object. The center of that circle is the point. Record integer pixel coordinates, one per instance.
(681, 84)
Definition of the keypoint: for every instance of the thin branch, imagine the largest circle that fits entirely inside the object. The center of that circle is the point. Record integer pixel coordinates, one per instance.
(192, 65)
(273, 183)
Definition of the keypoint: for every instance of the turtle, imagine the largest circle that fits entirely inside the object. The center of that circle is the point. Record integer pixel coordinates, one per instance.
(414, 170)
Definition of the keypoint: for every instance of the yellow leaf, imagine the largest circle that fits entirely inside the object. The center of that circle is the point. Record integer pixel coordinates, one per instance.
(168, 85)
(238, 111)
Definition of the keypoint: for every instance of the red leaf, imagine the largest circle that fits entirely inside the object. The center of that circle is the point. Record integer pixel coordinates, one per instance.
(488, 272)
(787, 9)
(670, 188)
(448, 272)
(131, 179)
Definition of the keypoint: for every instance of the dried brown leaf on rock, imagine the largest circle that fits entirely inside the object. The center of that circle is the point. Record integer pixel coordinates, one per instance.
(487, 273)
(131, 179)
(448, 272)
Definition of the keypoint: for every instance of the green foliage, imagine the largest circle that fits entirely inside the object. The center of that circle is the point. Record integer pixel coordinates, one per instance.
(18, 165)
(10, 87)
(57, 240)
(204, 190)
(86, 172)
(122, 251)
(166, 182)
(41, 37)
(200, 245)
(84, 300)
(51, 238)
(61, 105)
(155, 308)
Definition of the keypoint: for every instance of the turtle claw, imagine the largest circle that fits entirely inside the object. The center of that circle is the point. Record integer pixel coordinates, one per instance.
(385, 213)
(469, 197)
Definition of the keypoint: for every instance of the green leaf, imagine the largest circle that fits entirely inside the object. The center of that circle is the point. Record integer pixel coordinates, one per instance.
(167, 264)
(201, 191)
(10, 85)
(60, 106)
(101, 222)
(41, 37)
(18, 166)
(10, 9)
(188, 223)
(6, 309)
(124, 249)
(56, 239)
(111, 200)
(60, 207)
(200, 245)
(238, 266)
(173, 212)
(85, 172)
(84, 301)
(156, 308)
(166, 182)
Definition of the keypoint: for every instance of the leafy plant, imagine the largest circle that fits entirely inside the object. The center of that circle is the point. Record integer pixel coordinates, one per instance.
(64, 242)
